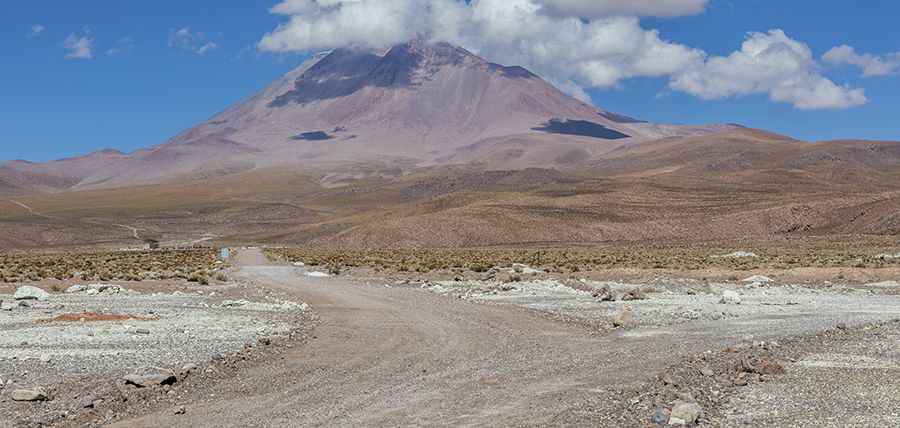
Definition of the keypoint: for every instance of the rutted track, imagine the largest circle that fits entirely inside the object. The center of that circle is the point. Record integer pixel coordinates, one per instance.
(386, 356)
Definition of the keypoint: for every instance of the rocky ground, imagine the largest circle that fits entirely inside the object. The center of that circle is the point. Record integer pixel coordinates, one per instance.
(79, 350)
(841, 377)
(514, 348)
(668, 302)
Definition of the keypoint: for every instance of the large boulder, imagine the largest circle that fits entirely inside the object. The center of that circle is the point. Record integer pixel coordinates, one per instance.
(28, 292)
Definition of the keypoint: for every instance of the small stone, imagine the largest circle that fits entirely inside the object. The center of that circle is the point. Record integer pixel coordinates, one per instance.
(31, 293)
(603, 294)
(668, 379)
(234, 303)
(708, 372)
(265, 341)
(621, 318)
(633, 293)
(685, 413)
(78, 288)
(730, 297)
(45, 358)
(29, 395)
(180, 410)
(143, 331)
(660, 417)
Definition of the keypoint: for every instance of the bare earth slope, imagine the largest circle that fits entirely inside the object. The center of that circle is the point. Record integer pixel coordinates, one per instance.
(742, 185)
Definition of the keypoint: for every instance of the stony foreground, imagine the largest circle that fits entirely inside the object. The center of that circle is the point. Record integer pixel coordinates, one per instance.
(532, 352)
(60, 352)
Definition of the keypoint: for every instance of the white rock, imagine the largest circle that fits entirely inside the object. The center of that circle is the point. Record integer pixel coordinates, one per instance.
(884, 284)
(77, 288)
(29, 395)
(685, 413)
(525, 269)
(317, 274)
(738, 255)
(299, 264)
(31, 293)
(8, 305)
(622, 318)
(758, 278)
(673, 421)
(888, 256)
(234, 303)
(106, 288)
(730, 297)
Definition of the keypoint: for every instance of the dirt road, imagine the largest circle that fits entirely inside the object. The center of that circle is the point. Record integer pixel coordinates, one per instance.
(386, 356)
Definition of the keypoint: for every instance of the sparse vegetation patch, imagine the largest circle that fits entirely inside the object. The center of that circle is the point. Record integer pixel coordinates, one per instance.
(193, 265)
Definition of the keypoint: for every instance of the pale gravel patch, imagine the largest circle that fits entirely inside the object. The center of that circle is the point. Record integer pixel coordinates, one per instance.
(181, 329)
(673, 303)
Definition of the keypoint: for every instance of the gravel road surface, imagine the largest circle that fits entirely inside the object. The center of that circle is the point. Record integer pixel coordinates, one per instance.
(398, 356)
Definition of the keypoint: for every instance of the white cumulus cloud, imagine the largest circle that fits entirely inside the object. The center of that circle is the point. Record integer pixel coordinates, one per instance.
(79, 46)
(871, 65)
(603, 8)
(575, 44)
(572, 52)
(768, 63)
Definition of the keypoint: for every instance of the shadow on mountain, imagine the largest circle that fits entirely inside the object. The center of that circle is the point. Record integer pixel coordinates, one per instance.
(581, 128)
(313, 136)
(346, 71)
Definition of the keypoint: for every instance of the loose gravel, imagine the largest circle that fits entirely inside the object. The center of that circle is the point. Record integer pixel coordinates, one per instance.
(56, 344)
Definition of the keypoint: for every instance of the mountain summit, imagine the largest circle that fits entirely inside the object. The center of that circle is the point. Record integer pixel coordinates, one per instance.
(417, 103)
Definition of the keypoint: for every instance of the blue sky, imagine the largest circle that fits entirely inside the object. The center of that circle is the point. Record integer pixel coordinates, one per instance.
(156, 68)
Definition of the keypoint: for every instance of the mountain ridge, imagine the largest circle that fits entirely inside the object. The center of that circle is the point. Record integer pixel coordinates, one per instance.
(415, 103)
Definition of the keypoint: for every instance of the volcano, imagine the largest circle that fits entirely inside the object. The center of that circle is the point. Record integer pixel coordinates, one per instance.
(415, 104)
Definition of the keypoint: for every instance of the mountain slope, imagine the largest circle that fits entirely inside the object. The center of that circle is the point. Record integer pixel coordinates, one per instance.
(415, 104)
